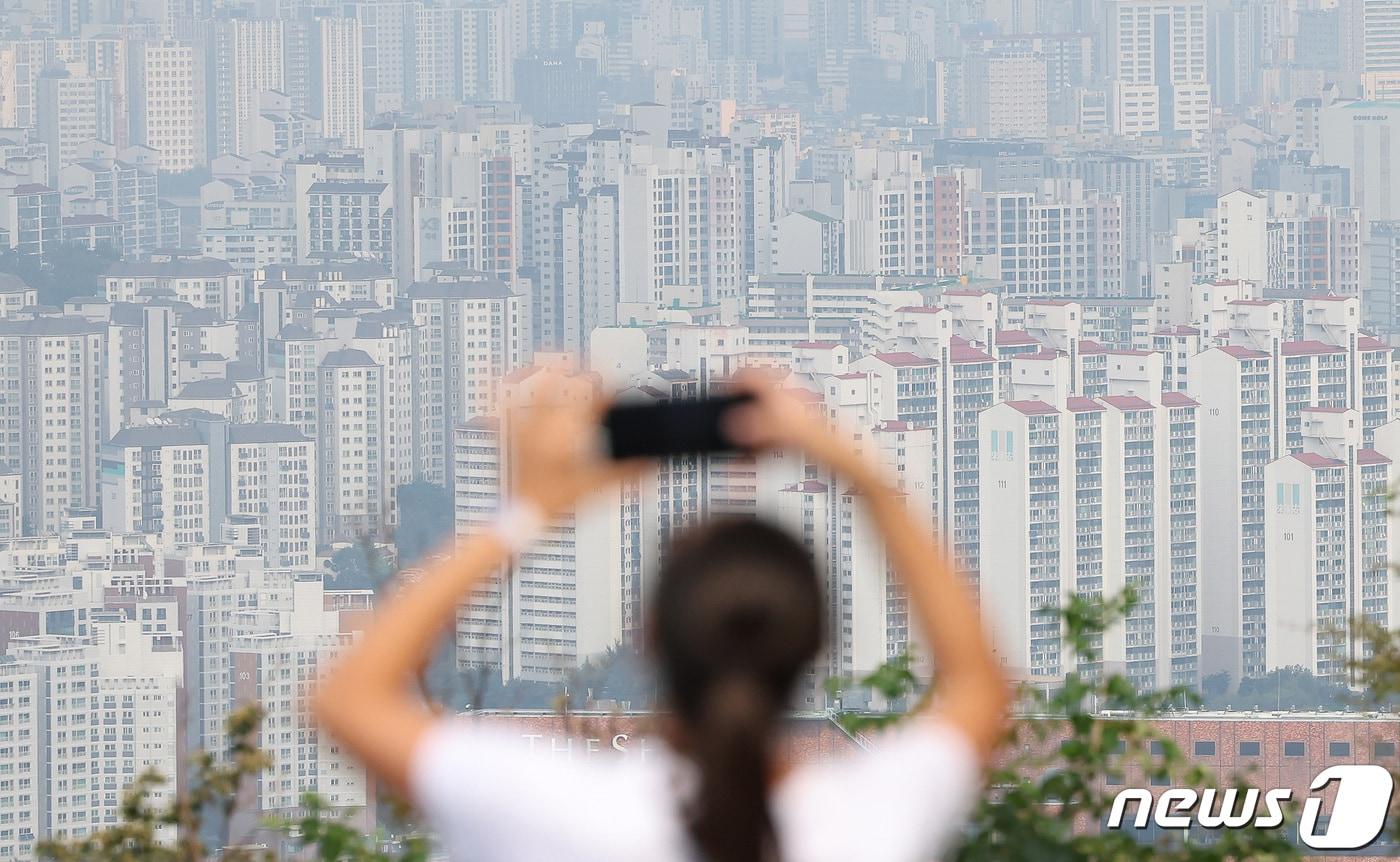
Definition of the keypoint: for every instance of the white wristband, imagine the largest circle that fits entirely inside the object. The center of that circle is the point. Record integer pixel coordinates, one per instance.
(519, 524)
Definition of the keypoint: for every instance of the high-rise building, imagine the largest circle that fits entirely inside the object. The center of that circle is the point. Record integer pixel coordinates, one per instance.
(202, 282)
(1156, 65)
(1009, 93)
(73, 110)
(768, 165)
(1233, 386)
(138, 719)
(221, 583)
(323, 61)
(20, 684)
(120, 190)
(348, 218)
(559, 603)
(1131, 180)
(745, 29)
(386, 31)
(1328, 544)
(276, 659)
(1286, 241)
(1364, 138)
(463, 53)
(185, 482)
(1059, 240)
(900, 219)
(23, 60)
(1085, 478)
(65, 780)
(1380, 50)
(351, 411)
(472, 333)
(245, 60)
(167, 103)
(31, 220)
(680, 218)
(1379, 305)
(52, 414)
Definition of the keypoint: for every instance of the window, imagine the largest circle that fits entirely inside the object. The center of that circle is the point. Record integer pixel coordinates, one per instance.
(1205, 749)
(1384, 749)
(1293, 749)
(1249, 749)
(1339, 749)
(1156, 748)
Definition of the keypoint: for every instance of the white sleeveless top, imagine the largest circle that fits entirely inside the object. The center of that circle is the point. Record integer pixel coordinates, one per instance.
(491, 797)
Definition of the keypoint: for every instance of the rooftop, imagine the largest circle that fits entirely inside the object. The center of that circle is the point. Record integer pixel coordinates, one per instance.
(1033, 408)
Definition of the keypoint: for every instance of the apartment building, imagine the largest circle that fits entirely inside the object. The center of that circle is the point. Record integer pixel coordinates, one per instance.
(1328, 541)
(182, 483)
(900, 219)
(19, 789)
(351, 411)
(52, 414)
(1077, 482)
(472, 331)
(167, 104)
(680, 215)
(66, 753)
(559, 603)
(276, 658)
(202, 282)
(1059, 240)
(244, 58)
(1156, 63)
(348, 218)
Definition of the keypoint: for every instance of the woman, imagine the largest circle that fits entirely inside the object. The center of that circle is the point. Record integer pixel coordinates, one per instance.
(736, 617)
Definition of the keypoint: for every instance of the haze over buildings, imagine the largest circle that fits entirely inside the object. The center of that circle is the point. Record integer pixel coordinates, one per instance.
(1109, 285)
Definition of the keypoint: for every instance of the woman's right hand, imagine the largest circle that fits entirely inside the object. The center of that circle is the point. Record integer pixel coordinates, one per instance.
(555, 457)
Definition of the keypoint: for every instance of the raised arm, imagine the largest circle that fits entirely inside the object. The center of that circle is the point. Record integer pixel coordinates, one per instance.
(367, 701)
(970, 690)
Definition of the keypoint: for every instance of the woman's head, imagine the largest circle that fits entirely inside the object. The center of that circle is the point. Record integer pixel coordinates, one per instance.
(736, 617)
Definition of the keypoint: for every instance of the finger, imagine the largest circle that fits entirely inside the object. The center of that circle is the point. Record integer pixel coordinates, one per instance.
(754, 380)
(747, 425)
(548, 386)
(602, 403)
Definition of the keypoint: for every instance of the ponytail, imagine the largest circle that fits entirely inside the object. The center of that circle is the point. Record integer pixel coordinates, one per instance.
(736, 616)
(731, 820)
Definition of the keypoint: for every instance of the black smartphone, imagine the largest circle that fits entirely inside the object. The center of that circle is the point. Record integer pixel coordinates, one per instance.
(671, 427)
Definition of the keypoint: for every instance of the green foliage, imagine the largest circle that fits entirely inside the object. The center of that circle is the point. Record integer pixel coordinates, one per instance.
(1378, 673)
(334, 839)
(425, 521)
(619, 674)
(1047, 800)
(1282, 688)
(360, 566)
(894, 681)
(185, 184)
(72, 270)
(1215, 687)
(213, 786)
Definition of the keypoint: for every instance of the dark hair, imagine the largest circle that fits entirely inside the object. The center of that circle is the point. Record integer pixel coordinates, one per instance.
(737, 616)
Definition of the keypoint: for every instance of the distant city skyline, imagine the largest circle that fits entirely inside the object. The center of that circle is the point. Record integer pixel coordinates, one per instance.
(1109, 286)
